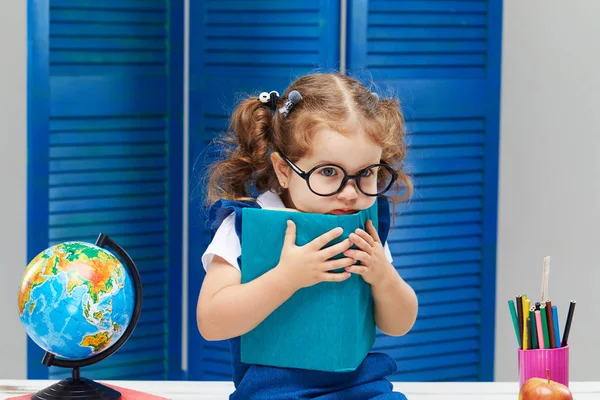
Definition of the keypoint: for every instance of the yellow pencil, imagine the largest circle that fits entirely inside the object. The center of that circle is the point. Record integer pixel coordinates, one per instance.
(526, 306)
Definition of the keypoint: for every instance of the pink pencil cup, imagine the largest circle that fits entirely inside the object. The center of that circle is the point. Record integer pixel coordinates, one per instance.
(534, 363)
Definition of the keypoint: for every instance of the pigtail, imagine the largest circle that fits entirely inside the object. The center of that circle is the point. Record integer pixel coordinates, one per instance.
(246, 146)
(392, 121)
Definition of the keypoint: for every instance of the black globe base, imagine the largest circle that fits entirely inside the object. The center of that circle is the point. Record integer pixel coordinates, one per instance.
(77, 388)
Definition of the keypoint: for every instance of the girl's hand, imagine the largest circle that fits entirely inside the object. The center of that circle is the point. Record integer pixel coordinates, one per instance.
(304, 266)
(374, 266)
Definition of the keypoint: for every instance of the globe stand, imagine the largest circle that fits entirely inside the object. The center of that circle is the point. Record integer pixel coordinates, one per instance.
(76, 387)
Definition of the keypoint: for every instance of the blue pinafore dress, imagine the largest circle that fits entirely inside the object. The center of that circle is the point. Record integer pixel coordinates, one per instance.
(367, 381)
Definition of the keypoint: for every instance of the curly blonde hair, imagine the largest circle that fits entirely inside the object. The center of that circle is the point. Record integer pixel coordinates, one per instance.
(328, 101)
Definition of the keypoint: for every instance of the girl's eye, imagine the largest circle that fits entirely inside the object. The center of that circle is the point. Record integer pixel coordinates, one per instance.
(366, 173)
(328, 172)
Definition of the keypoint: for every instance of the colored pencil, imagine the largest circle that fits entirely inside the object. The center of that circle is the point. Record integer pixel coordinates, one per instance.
(532, 328)
(545, 326)
(540, 331)
(550, 322)
(520, 318)
(556, 329)
(513, 316)
(568, 324)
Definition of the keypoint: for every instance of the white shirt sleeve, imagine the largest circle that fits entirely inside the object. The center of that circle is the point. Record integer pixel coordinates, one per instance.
(388, 253)
(225, 244)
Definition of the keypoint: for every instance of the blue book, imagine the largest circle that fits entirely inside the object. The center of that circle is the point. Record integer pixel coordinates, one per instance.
(326, 327)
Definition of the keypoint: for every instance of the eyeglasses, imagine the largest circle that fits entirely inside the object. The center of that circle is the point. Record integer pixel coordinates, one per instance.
(330, 179)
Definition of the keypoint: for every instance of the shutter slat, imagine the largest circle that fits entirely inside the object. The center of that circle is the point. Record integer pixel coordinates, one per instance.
(407, 46)
(436, 310)
(106, 164)
(439, 244)
(107, 203)
(114, 123)
(448, 179)
(427, 7)
(424, 338)
(108, 16)
(104, 57)
(433, 283)
(429, 19)
(412, 357)
(251, 57)
(426, 140)
(400, 32)
(106, 43)
(115, 137)
(441, 374)
(91, 191)
(281, 32)
(424, 60)
(76, 28)
(259, 45)
(138, 214)
(145, 175)
(69, 233)
(417, 206)
(138, 5)
(438, 219)
(286, 18)
(257, 8)
(104, 151)
(444, 270)
(434, 232)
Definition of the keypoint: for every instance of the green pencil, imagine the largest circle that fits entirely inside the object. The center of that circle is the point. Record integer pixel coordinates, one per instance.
(534, 343)
(545, 326)
(513, 315)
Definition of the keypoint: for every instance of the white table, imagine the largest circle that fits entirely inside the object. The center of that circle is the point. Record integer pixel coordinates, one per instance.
(188, 390)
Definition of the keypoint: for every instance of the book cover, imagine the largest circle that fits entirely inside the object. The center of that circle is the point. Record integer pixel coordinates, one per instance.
(328, 326)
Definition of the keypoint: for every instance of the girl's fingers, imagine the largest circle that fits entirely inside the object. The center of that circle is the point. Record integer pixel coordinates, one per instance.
(359, 255)
(372, 231)
(336, 264)
(364, 235)
(357, 269)
(336, 249)
(335, 277)
(361, 243)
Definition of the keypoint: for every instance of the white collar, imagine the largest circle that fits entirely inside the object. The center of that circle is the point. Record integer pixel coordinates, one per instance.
(270, 199)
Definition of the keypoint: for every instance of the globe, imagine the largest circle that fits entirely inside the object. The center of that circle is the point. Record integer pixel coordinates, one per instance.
(75, 300)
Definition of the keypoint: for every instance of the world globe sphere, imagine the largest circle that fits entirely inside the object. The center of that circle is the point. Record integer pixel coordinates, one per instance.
(75, 300)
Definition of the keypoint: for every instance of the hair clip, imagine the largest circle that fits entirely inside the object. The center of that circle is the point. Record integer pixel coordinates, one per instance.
(293, 98)
(269, 99)
(375, 95)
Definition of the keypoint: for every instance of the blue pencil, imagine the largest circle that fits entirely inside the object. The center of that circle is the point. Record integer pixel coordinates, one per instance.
(556, 332)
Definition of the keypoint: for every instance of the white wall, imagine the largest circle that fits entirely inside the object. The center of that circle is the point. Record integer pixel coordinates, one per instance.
(13, 168)
(549, 201)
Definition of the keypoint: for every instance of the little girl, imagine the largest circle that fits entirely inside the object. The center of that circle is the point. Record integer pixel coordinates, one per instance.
(328, 145)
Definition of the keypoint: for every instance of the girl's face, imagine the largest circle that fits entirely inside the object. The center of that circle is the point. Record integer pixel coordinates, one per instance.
(352, 152)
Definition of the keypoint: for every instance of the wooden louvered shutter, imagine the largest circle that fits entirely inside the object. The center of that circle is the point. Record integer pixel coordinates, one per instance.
(240, 47)
(442, 59)
(107, 138)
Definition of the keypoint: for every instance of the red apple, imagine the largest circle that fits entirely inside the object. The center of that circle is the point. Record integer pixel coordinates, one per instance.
(544, 389)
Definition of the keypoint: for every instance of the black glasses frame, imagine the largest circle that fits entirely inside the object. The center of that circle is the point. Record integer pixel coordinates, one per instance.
(306, 176)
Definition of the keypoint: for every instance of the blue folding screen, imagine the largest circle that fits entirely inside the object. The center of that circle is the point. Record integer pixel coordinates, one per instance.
(105, 110)
(237, 48)
(442, 59)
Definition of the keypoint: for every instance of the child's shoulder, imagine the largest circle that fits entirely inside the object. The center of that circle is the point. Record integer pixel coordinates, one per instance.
(223, 208)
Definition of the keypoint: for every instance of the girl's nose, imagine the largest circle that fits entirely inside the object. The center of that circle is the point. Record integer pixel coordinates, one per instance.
(349, 192)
